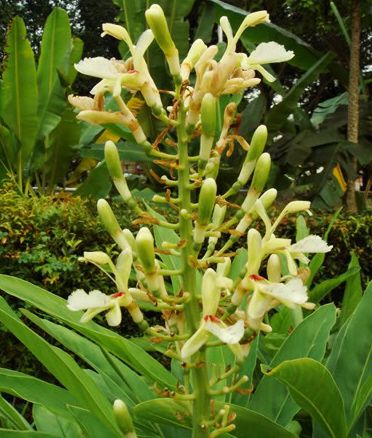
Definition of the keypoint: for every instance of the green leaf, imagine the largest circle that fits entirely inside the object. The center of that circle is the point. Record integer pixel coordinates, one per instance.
(68, 72)
(252, 115)
(103, 362)
(308, 339)
(127, 151)
(48, 422)
(350, 359)
(63, 368)
(322, 289)
(164, 411)
(35, 390)
(247, 369)
(256, 424)
(311, 385)
(276, 117)
(19, 95)
(60, 150)
(55, 46)
(7, 433)
(12, 416)
(98, 183)
(353, 291)
(55, 306)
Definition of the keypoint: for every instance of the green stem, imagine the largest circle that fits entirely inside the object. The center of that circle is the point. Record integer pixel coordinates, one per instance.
(199, 375)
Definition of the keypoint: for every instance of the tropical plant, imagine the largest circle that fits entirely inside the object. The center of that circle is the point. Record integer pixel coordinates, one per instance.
(217, 306)
(38, 130)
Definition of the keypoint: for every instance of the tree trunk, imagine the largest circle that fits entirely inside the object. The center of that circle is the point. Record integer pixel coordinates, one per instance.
(353, 108)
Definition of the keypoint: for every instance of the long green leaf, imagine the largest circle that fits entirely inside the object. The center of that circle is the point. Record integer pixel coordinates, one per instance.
(63, 368)
(325, 287)
(19, 95)
(7, 433)
(55, 306)
(55, 47)
(277, 115)
(35, 390)
(103, 362)
(309, 339)
(313, 388)
(353, 290)
(350, 361)
(60, 150)
(49, 422)
(12, 416)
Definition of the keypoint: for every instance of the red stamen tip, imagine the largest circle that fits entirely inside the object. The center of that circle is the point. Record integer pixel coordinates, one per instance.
(118, 295)
(256, 277)
(211, 318)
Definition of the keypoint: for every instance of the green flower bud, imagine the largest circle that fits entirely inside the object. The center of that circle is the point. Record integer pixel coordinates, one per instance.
(210, 292)
(297, 206)
(114, 167)
(123, 418)
(145, 249)
(261, 173)
(218, 214)
(131, 240)
(113, 160)
(207, 199)
(258, 143)
(111, 224)
(208, 115)
(158, 24)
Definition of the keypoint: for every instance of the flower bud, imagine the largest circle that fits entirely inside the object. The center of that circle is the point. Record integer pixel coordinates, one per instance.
(131, 240)
(210, 293)
(123, 268)
(261, 172)
(254, 241)
(97, 257)
(297, 206)
(218, 214)
(122, 417)
(114, 167)
(208, 115)
(196, 50)
(145, 249)
(158, 24)
(99, 117)
(268, 198)
(207, 199)
(116, 31)
(258, 143)
(273, 269)
(111, 224)
(224, 268)
(193, 344)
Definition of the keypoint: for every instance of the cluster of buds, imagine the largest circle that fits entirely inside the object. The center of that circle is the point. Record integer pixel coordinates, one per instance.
(205, 307)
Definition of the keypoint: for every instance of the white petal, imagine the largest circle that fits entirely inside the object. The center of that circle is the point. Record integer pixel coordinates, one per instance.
(311, 243)
(267, 53)
(98, 67)
(80, 300)
(113, 316)
(228, 335)
(293, 292)
(143, 43)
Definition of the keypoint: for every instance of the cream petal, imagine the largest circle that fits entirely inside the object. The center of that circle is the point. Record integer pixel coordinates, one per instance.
(311, 243)
(98, 67)
(113, 316)
(292, 293)
(193, 344)
(228, 335)
(267, 53)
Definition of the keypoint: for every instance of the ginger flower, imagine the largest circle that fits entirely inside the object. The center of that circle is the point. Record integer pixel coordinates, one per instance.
(96, 302)
(212, 284)
(266, 53)
(267, 295)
